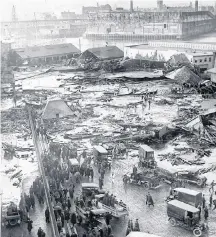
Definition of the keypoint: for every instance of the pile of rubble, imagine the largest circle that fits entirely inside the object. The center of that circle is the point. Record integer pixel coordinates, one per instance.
(15, 120)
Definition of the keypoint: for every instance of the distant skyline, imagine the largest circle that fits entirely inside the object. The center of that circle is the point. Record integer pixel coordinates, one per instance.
(25, 8)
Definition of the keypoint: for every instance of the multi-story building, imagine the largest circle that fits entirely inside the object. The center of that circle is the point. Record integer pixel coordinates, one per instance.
(205, 60)
(163, 23)
(96, 9)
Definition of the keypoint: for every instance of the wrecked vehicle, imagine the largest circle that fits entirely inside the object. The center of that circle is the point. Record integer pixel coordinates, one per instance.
(178, 179)
(13, 217)
(191, 178)
(146, 179)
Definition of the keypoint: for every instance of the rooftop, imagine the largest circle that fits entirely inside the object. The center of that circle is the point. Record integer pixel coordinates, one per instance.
(183, 206)
(146, 148)
(46, 50)
(193, 52)
(141, 234)
(187, 191)
(107, 52)
(101, 149)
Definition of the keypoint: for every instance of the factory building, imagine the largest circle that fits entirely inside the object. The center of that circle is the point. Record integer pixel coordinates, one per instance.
(161, 25)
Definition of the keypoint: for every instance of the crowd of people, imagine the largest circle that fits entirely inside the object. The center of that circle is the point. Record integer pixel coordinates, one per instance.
(62, 182)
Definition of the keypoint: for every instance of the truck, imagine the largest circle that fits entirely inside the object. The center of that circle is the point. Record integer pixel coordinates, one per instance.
(188, 196)
(146, 157)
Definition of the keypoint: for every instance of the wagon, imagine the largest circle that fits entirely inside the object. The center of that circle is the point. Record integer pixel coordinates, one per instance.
(186, 216)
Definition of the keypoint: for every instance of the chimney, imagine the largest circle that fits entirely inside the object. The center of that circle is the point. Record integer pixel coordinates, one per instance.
(159, 4)
(196, 6)
(131, 5)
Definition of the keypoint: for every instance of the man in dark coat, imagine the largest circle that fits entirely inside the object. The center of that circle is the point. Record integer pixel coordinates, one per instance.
(149, 200)
(203, 201)
(73, 219)
(206, 213)
(69, 203)
(40, 231)
(67, 215)
(29, 225)
(100, 183)
(62, 219)
(47, 215)
(134, 170)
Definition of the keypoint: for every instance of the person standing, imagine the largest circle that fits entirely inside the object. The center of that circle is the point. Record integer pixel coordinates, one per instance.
(210, 200)
(136, 226)
(39, 233)
(149, 102)
(47, 215)
(214, 203)
(100, 182)
(200, 210)
(203, 201)
(134, 170)
(29, 225)
(149, 200)
(206, 213)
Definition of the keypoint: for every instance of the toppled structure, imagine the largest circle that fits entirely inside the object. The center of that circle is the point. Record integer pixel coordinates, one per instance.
(56, 108)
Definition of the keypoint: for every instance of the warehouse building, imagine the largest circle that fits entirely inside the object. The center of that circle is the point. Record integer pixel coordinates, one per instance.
(45, 54)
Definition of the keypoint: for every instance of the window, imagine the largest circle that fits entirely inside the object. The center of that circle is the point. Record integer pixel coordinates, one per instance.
(205, 60)
(200, 60)
(165, 26)
(209, 59)
(195, 61)
(57, 115)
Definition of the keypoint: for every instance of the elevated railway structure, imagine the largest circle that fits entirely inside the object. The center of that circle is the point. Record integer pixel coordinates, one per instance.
(39, 151)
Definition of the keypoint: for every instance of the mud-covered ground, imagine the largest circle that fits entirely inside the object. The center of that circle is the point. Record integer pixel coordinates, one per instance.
(95, 115)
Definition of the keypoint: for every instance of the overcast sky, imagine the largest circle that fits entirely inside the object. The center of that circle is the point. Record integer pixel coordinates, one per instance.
(25, 8)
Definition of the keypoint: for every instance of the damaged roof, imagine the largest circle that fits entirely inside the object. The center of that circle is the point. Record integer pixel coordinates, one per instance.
(46, 51)
(184, 75)
(177, 59)
(56, 108)
(107, 52)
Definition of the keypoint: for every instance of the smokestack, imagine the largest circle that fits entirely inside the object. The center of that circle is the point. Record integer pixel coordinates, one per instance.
(196, 6)
(131, 5)
(159, 4)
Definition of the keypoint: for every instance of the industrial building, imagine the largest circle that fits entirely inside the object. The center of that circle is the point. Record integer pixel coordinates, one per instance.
(205, 60)
(102, 53)
(161, 23)
(45, 54)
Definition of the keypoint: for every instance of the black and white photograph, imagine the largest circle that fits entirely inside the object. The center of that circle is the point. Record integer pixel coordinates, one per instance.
(108, 118)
